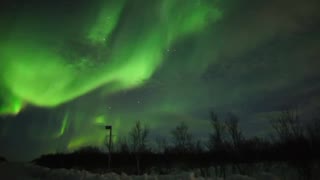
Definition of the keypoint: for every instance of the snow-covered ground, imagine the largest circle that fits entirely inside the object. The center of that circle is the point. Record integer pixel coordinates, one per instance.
(21, 171)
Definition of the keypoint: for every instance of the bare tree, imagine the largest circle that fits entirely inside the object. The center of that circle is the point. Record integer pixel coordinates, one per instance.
(232, 126)
(138, 135)
(216, 141)
(237, 139)
(287, 126)
(182, 138)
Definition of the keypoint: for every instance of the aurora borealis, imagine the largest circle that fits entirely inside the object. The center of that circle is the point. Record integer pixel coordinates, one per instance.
(69, 68)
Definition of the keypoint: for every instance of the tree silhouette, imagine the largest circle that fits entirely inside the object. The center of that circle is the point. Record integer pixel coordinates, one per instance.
(138, 135)
(216, 142)
(287, 126)
(182, 138)
(232, 126)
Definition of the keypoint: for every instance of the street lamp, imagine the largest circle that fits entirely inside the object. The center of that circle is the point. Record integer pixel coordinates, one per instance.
(109, 127)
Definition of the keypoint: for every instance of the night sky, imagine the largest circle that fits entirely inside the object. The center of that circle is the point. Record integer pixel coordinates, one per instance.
(67, 68)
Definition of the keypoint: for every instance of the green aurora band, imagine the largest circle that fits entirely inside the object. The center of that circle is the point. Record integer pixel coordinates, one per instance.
(34, 72)
(46, 68)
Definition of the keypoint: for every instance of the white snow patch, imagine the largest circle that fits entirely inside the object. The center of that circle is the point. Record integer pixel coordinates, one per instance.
(32, 172)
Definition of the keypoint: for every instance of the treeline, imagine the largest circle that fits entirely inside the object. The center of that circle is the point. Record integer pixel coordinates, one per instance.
(294, 142)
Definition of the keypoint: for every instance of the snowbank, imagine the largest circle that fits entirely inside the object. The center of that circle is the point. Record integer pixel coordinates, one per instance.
(33, 172)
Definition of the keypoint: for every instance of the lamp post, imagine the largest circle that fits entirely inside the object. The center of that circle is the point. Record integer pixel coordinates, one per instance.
(109, 127)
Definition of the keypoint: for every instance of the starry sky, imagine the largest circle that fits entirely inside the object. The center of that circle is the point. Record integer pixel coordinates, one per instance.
(70, 67)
